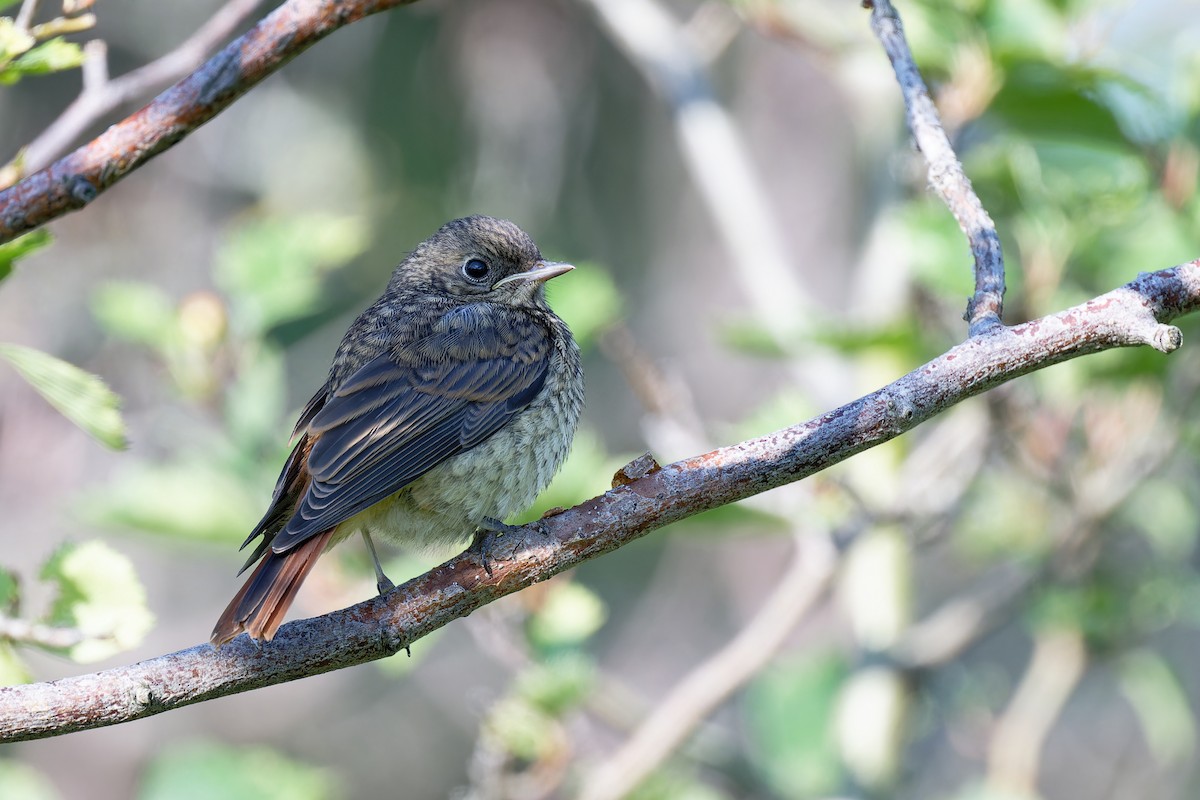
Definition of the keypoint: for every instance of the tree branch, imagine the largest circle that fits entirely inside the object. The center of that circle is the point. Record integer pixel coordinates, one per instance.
(1134, 314)
(100, 95)
(78, 178)
(946, 174)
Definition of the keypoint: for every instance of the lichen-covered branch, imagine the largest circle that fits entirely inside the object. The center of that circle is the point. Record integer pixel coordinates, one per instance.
(946, 174)
(1135, 314)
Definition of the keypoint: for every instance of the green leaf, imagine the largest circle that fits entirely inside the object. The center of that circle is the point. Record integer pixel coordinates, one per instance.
(271, 269)
(522, 730)
(13, 42)
(23, 781)
(79, 396)
(256, 402)
(673, 784)
(587, 299)
(196, 500)
(19, 248)
(54, 55)
(1161, 705)
(99, 594)
(790, 712)
(1041, 100)
(1167, 517)
(136, 312)
(570, 614)
(12, 672)
(203, 771)
(10, 592)
(558, 684)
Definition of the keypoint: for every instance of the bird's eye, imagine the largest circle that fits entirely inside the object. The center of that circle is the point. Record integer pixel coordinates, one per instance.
(476, 269)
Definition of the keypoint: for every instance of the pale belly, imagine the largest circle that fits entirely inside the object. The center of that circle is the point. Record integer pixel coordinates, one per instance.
(495, 480)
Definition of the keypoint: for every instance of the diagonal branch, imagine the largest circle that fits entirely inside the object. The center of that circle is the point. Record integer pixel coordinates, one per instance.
(1132, 315)
(78, 178)
(946, 174)
(101, 96)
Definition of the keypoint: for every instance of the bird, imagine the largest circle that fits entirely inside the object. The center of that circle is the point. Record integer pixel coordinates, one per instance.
(450, 404)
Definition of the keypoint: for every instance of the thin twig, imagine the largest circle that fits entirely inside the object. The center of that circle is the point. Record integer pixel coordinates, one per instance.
(1055, 669)
(26, 14)
(946, 174)
(1135, 314)
(101, 97)
(709, 685)
(716, 158)
(25, 632)
(80, 177)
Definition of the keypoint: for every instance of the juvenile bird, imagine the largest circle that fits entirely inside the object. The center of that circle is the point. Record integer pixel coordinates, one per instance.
(450, 404)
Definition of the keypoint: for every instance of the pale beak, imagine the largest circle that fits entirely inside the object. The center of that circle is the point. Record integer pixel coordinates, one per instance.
(544, 271)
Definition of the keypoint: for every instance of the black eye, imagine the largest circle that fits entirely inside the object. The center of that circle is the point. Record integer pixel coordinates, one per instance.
(476, 269)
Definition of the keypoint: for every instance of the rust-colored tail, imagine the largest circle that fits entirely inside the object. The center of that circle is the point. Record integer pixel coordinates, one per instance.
(259, 607)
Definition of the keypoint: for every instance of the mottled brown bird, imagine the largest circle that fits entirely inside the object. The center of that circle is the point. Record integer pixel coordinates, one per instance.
(450, 404)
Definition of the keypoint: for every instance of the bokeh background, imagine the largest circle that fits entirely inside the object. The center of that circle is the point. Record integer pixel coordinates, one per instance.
(1001, 604)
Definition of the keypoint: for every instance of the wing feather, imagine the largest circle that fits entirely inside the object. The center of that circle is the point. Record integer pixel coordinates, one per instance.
(403, 413)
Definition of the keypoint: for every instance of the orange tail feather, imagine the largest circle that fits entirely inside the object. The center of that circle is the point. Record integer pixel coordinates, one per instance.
(258, 608)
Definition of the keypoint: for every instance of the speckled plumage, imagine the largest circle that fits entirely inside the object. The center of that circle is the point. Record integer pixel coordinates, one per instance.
(451, 401)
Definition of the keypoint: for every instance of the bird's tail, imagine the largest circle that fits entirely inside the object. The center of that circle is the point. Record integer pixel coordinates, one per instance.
(259, 607)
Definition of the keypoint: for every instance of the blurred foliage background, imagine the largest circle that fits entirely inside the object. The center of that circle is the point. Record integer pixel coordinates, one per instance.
(1012, 606)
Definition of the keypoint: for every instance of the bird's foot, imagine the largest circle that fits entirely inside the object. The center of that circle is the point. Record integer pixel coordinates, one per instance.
(382, 582)
(488, 544)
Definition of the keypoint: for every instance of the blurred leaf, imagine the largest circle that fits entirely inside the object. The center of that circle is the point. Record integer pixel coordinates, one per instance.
(1042, 101)
(750, 337)
(13, 42)
(558, 684)
(569, 615)
(1103, 180)
(98, 593)
(195, 500)
(54, 55)
(256, 401)
(1099, 609)
(79, 396)
(10, 592)
(1025, 27)
(135, 311)
(943, 259)
(208, 770)
(987, 791)
(1007, 517)
(790, 712)
(587, 299)
(22, 781)
(522, 730)
(1161, 705)
(12, 672)
(271, 268)
(672, 784)
(1165, 513)
(19, 248)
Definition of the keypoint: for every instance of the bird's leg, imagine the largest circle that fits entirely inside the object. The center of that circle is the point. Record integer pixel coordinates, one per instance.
(382, 583)
(489, 533)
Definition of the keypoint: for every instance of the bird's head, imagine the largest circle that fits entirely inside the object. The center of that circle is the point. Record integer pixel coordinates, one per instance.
(479, 259)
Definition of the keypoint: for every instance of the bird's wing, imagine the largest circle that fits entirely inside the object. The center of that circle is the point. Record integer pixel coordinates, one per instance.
(405, 412)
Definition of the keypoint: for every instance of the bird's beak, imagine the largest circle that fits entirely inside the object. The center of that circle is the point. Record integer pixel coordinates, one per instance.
(544, 271)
